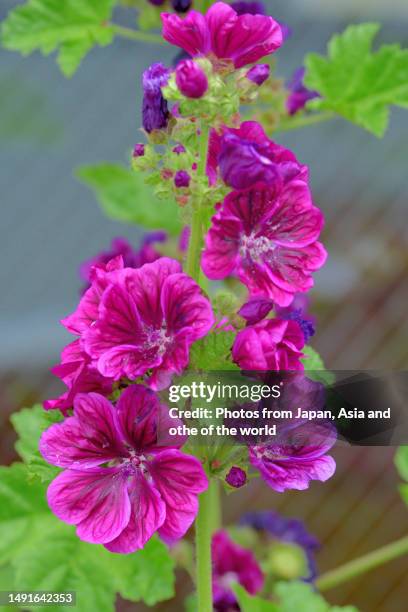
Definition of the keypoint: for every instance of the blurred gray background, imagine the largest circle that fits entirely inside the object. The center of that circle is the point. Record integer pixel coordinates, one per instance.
(50, 223)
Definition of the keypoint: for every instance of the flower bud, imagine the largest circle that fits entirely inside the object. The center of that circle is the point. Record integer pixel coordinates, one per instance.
(182, 179)
(191, 79)
(258, 74)
(155, 111)
(236, 477)
(181, 6)
(138, 150)
(178, 149)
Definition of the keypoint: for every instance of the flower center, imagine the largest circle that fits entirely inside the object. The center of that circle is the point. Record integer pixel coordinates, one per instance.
(254, 247)
(134, 463)
(156, 340)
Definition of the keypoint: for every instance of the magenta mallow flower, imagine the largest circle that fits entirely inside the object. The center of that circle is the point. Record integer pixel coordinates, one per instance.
(245, 156)
(123, 479)
(134, 322)
(296, 455)
(79, 375)
(268, 237)
(222, 34)
(155, 112)
(132, 258)
(232, 564)
(299, 94)
(272, 344)
(191, 79)
(259, 73)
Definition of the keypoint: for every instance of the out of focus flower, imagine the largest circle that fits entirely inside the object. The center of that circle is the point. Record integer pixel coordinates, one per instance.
(296, 455)
(182, 179)
(232, 564)
(246, 156)
(258, 74)
(236, 477)
(268, 237)
(251, 8)
(181, 6)
(299, 94)
(132, 322)
(191, 79)
(123, 480)
(271, 345)
(154, 109)
(132, 258)
(297, 311)
(223, 34)
(288, 530)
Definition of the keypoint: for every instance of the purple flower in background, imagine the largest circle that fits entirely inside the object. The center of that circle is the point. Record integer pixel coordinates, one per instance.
(132, 258)
(157, 2)
(155, 111)
(181, 6)
(297, 311)
(236, 477)
(259, 73)
(245, 156)
(299, 94)
(296, 455)
(223, 34)
(182, 179)
(251, 8)
(271, 344)
(268, 236)
(289, 530)
(191, 79)
(136, 321)
(231, 564)
(123, 479)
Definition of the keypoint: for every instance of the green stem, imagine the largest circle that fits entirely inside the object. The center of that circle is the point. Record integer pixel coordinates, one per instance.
(137, 35)
(203, 527)
(295, 122)
(363, 564)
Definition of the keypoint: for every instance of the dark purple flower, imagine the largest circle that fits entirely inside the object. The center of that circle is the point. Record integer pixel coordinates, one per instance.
(181, 6)
(250, 8)
(182, 179)
(132, 258)
(232, 563)
(155, 110)
(236, 477)
(157, 2)
(299, 94)
(138, 150)
(297, 311)
(245, 156)
(191, 79)
(178, 149)
(258, 74)
(287, 530)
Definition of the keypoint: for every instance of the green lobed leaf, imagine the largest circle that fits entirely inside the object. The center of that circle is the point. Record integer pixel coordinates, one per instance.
(357, 83)
(124, 196)
(301, 596)
(29, 423)
(45, 554)
(72, 27)
(213, 352)
(250, 603)
(314, 366)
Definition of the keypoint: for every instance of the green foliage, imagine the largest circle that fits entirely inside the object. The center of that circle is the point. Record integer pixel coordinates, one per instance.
(29, 423)
(291, 596)
(356, 83)
(315, 368)
(71, 27)
(401, 463)
(124, 196)
(213, 352)
(45, 554)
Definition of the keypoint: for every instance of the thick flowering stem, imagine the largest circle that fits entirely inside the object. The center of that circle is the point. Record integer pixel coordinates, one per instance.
(204, 531)
(363, 564)
(196, 237)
